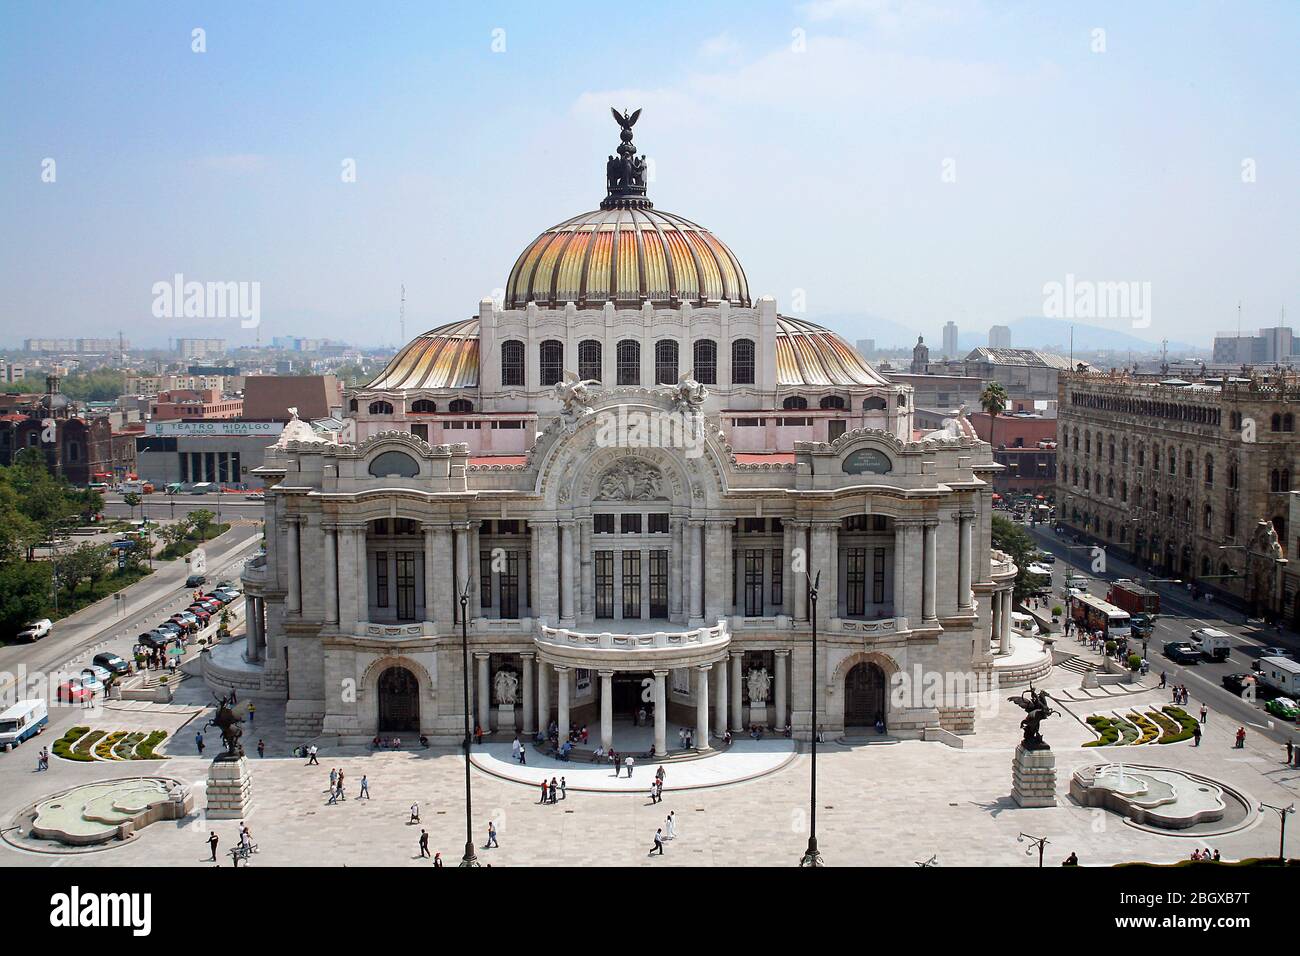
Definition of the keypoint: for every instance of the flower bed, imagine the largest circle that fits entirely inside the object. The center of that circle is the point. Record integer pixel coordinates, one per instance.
(63, 746)
(1182, 725)
(1107, 730)
(81, 743)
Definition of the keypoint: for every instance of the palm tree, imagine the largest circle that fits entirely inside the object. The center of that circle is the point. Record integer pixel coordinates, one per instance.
(994, 399)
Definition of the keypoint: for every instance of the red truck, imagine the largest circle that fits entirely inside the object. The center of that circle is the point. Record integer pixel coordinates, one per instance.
(1133, 598)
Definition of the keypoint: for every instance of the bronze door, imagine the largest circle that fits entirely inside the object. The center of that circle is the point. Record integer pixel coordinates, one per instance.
(864, 696)
(399, 700)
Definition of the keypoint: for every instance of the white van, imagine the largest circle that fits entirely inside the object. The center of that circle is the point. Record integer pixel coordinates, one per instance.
(1212, 643)
(27, 718)
(1280, 673)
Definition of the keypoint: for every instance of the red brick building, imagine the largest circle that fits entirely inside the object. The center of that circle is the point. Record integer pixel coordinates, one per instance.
(1025, 445)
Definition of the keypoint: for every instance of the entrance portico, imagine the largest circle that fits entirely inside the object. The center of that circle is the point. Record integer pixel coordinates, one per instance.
(641, 659)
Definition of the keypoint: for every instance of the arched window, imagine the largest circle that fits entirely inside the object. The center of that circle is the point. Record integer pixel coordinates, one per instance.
(1173, 462)
(1188, 466)
(665, 362)
(512, 364)
(795, 403)
(1279, 525)
(589, 360)
(1123, 451)
(380, 408)
(1187, 510)
(628, 361)
(1142, 457)
(1274, 480)
(706, 361)
(1209, 469)
(1276, 422)
(874, 404)
(1208, 518)
(832, 401)
(460, 406)
(742, 362)
(1288, 422)
(1170, 507)
(422, 406)
(394, 464)
(550, 360)
(1123, 491)
(352, 405)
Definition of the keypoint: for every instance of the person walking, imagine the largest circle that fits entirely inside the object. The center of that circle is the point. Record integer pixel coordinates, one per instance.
(261, 747)
(1204, 713)
(437, 860)
(424, 843)
(628, 762)
(613, 758)
(198, 740)
(1241, 738)
(415, 814)
(1164, 679)
(311, 756)
(543, 800)
(659, 843)
(252, 711)
(515, 748)
(670, 825)
(492, 838)
(654, 792)
(1196, 736)
(212, 844)
(334, 796)
(564, 789)
(1290, 752)
(365, 788)
(555, 788)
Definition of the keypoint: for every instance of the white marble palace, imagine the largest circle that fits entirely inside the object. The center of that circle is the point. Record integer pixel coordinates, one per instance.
(618, 474)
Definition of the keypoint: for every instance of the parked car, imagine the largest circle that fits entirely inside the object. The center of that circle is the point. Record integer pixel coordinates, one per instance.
(255, 496)
(196, 581)
(36, 630)
(202, 613)
(1283, 707)
(72, 691)
(1046, 557)
(229, 592)
(93, 679)
(1181, 652)
(111, 662)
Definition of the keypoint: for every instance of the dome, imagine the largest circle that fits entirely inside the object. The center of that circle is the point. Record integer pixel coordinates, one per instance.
(626, 255)
(807, 355)
(626, 252)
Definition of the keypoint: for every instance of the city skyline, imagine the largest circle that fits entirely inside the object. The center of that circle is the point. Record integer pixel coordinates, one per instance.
(229, 165)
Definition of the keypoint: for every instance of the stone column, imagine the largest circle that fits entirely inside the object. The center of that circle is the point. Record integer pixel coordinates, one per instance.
(702, 707)
(563, 674)
(584, 605)
(696, 533)
(717, 591)
(484, 694)
(475, 601)
(909, 569)
(547, 574)
(430, 579)
(824, 558)
(462, 575)
(530, 727)
(1007, 602)
(782, 666)
(331, 614)
(964, 534)
(995, 618)
(607, 709)
(350, 579)
(543, 696)
(661, 715)
(444, 585)
(568, 586)
(250, 629)
(931, 578)
(720, 717)
(293, 596)
(676, 542)
(363, 574)
(737, 694)
(799, 581)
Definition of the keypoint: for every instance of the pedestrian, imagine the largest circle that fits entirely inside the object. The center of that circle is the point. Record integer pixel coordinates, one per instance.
(198, 740)
(252, 709)
(492, 837)
(628, 762)
(660, 774)
(1241, 738)
(1196, 736)
(564, 789)
(415, 814)
(1204, 712)
(424, 843)
(821, 733)
(659, 843)
(365, 788)
(555, 787)
(1290, 752)
(212, 844)
(671, 825)
(522, 754)
(261, 747)
(437, 860)
(478, 734)
(334, 776)
(311, 756)
(654, 793)
(334, 796)
(543, 800)
(613, 758)
(516, 747)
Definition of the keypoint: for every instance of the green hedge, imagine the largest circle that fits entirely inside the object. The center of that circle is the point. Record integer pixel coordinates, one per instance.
(1186, 725)
(63, 746)
(145, 751)
(1106, 727)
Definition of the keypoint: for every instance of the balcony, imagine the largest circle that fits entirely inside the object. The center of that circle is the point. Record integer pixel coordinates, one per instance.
(631, 647)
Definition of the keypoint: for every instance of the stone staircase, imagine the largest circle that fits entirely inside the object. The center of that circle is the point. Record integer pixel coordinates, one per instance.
(1075, 664)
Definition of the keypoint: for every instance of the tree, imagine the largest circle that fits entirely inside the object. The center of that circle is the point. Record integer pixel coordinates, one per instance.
(1012, 539)
(201, 520)
(100, 385)
(86, 562)
(24, 594)
(994, 399)
(132, 500)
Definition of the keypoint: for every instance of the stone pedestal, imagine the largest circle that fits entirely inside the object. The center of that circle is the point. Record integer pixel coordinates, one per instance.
(1033, 778)
(760, 714)
(505, 722)
(230, 789)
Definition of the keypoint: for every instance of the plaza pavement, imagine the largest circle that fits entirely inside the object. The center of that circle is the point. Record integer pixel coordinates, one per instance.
(879, 804)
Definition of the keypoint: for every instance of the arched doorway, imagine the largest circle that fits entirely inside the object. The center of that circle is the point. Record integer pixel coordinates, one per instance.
(399, 701)
(864, 695)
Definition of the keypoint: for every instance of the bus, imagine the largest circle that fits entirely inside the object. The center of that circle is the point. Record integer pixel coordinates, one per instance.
(1094, 614)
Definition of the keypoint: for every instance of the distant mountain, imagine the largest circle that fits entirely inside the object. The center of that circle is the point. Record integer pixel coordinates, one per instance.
(857, 325)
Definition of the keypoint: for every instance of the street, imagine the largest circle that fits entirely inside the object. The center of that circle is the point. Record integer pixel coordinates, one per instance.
(1179, 617)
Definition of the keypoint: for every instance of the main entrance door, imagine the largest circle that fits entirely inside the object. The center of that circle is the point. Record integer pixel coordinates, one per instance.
(864, 695)
(399, 700)
(629, 693)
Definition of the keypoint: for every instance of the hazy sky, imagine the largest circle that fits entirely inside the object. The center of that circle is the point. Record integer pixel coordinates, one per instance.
(919, 162)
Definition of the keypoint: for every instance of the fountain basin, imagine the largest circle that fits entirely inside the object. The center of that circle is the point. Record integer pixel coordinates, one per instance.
(1150, 796)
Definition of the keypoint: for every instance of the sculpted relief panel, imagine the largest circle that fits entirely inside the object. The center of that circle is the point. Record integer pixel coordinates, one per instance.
(630, 479)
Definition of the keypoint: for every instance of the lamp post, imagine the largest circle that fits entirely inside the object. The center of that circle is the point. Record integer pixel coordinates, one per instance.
(1040, 842)
(811, 856)
(1282, 813)
(469, 859)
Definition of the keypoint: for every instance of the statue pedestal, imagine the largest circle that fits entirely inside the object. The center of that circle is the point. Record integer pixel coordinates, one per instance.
(230, 789)
(1033, 777)
(505, 722)
(760, 714)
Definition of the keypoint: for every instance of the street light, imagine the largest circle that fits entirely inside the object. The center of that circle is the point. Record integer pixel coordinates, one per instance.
(1040, 842)
(469, 859)
(1282, 813)
(811, 856)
